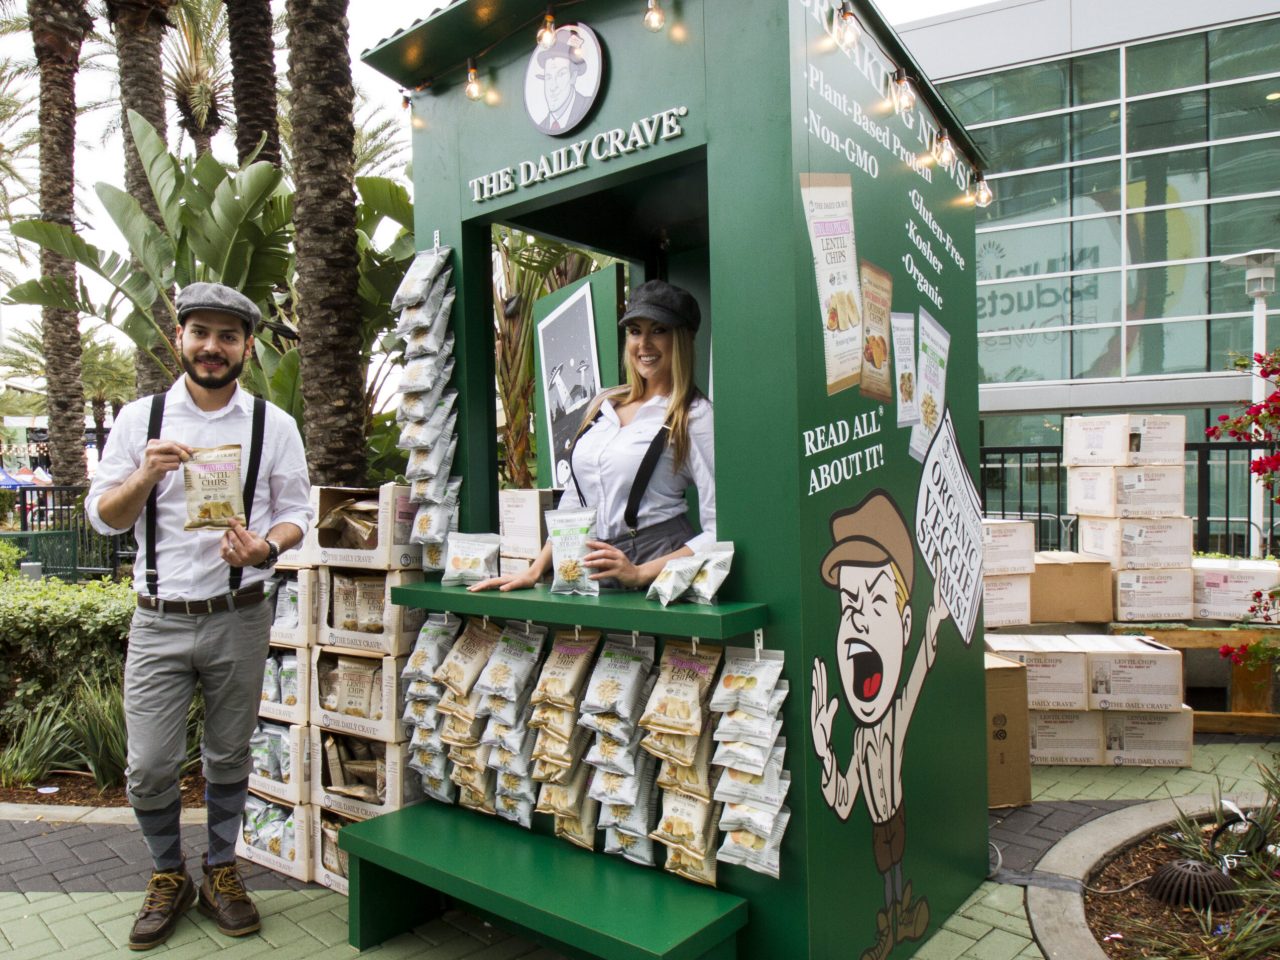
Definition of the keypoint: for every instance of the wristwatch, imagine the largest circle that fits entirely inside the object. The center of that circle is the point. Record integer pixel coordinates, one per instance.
(273, 554)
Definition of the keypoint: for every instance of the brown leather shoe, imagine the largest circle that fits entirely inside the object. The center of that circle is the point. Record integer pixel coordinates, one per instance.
(223, 900)
(168, 897)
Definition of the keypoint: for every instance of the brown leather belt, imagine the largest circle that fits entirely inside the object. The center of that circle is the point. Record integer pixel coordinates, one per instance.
(228, 601)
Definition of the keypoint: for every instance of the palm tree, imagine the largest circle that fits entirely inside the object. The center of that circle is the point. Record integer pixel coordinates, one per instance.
(196, 74)
(253, 78)
(328, 305)
(58, 29)
(19, 139)
(137, 28)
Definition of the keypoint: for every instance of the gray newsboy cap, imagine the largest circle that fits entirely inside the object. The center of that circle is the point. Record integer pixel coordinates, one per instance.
(219, 298)
(665, 303)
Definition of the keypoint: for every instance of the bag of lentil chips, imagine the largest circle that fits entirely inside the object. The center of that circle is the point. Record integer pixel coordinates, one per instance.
(569, 531)
(211, 478)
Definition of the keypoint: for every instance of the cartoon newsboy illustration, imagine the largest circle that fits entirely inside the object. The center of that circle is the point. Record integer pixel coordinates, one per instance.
(872, 564)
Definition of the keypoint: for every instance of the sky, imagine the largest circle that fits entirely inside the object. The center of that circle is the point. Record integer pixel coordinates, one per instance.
(370, 21)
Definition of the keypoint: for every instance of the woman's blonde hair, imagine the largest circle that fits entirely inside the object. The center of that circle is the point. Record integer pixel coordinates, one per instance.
(683, 393)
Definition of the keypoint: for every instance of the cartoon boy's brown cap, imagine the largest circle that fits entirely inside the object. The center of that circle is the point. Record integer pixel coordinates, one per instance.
(869, 535)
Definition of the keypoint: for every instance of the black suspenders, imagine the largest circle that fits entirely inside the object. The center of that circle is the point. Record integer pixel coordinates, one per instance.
(643, 475)
(250, 485)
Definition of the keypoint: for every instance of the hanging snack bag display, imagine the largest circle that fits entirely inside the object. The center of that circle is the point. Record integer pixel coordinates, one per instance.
(435, 640)
(466, 658)
(426, 267)
(619, 676)
(747, 679)
(471, 557)
(565, 670)
(569, 531)
(211, 478)
(684, 682)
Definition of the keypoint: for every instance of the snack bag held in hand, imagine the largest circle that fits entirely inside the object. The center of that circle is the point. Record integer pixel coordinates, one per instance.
(212, 481)
(569, 531)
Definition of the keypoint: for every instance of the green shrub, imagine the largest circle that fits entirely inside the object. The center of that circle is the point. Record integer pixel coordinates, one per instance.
(10, 555)
(39, 744)
(50, 632)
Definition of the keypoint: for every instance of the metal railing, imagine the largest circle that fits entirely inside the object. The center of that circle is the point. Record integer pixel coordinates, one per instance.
(1030, 483)
(43, 509)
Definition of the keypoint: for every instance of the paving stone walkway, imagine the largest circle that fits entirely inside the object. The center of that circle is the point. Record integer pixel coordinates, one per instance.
(70, 890)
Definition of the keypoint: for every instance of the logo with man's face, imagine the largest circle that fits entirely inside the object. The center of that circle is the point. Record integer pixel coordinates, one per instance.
(563, 80)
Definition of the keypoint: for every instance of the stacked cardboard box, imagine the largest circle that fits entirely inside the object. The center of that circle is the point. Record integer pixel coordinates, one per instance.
(1126, 483)
(523, 527)
(1225, 589)
(1008, 560)
(1097, 700)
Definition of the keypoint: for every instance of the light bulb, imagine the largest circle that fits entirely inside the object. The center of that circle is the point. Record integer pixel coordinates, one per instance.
(473, 89)
(654, 17)
(944, 151)
(547, 33)
(848, 30)
(904, 94)
(982, 195)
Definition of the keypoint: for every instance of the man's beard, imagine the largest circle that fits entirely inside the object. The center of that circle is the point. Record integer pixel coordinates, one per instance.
(211, 381)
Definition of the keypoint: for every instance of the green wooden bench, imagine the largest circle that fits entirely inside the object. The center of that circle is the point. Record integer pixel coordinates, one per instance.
(401, 865)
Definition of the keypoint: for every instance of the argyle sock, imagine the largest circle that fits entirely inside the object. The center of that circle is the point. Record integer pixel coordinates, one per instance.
(162, 830)
(225, 803)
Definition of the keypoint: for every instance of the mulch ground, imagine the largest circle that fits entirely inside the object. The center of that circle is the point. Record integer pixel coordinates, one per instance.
(1134, 915)
(74, 790)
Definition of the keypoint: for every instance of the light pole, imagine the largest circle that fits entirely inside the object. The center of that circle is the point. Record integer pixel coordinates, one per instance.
(1259, 280)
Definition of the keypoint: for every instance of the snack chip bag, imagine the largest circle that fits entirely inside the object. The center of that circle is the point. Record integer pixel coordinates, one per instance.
(518, 810)
(271, 680)
(748, 849)
(619, 676)
(471, 557)
(580, 830)
(467, 657)
(686, 824)
(636, 849)
(211, 478)
(693, 780)
(715, 568)
(286, 605)
(511, 665)
(747, 678)
(371, 593)
(427, 266)
(435, 640)
(684, 680)
(674, 579)
(569, 531)
(289, 679)
(565, 669)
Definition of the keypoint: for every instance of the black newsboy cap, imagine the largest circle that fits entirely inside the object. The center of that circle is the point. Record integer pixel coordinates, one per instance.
(663, 302)
(220, 299)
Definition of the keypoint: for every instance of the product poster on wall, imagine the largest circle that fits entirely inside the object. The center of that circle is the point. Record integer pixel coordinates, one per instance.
(569, 376)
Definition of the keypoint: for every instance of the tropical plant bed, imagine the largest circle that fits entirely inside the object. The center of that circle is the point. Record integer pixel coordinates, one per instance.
(74, 790)
(1132, 924)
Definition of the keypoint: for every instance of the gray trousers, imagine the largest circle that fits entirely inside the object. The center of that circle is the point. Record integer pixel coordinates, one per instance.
(649, 542)
(168, 654)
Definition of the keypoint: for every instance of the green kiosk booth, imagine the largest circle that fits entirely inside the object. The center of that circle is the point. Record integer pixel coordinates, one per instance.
(787, 163)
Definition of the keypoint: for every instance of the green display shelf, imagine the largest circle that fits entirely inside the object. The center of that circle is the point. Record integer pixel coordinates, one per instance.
(609, 611)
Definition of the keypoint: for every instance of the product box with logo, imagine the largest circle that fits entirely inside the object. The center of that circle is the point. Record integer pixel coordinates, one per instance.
(375, 537)
(297, 608)
(1070, 587)
(1132, 673)
(356, 693)
(1006, 600)
(1150, 739)
(1067, 737)
(1123, 440)
(286, 852)
(356, 611)
(1056, 669)
(1137, 543)
(521, 521)
(286, 699)
(1154, 595)
(402, 787)
(1008, 742)
(1008, 546)
(294, 785)
(329, 862)
(1126, 491)
(1224, 589)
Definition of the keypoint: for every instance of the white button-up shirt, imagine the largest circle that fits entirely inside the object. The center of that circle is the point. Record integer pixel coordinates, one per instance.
(188, 561)
(607, 456)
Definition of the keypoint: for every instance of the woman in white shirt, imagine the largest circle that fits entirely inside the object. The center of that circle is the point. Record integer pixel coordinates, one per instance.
(660, 417)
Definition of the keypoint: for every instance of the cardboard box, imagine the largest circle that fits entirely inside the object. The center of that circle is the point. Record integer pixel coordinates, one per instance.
(1150, 739)
(400, 625)
(389, 726)
(521, 521)
(1070, 588)
(1008, 740)
(1223, 589)
(1057, 670)
(298, 790)
(513, 566)
(1151, 595)
(1008, 546)
(1067, 736)
(403, 786)
(1137, 543)
(296, 713)
(1123, 440)
(300, 866)
(304, 634)
(1132, 673)
(335, 881)
(1126, 491)
(1006, 601)
(392, 550)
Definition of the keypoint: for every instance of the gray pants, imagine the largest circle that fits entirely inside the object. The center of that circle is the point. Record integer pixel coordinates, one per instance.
(168, 654)
(650, 542)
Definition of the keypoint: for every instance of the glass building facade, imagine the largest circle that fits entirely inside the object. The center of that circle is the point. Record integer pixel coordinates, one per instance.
(1122, 176)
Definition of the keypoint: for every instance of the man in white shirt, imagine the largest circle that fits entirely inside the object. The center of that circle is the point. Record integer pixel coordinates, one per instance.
(202, 614)
(872, 565)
